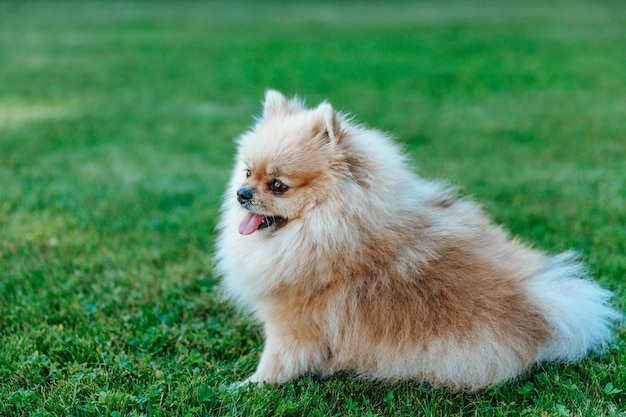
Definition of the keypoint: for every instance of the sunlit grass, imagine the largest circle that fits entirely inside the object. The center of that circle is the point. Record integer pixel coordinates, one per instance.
(14, 114)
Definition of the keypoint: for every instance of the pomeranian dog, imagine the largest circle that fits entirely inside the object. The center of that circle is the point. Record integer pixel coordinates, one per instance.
(352, 262)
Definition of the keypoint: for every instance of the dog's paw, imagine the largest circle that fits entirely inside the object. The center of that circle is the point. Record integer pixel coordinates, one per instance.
(237, 385)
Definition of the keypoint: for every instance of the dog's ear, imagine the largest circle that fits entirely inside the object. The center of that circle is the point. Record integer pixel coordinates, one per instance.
(276, 104)
(329, 122)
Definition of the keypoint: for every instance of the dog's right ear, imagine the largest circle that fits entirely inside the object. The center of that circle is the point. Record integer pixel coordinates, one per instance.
(275, 104)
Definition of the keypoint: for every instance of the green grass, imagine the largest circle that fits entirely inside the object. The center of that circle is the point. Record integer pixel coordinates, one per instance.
(116, 128)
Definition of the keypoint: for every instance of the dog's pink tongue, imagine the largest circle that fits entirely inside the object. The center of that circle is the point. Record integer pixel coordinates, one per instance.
(250, 223)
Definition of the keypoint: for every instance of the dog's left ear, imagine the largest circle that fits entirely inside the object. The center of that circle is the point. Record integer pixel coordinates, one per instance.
(276, 104)
(329, 122)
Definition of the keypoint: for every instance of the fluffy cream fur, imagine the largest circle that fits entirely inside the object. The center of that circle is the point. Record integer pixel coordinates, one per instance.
(353, 262)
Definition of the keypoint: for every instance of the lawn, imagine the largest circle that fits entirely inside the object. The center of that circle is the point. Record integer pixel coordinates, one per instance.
(117, 122)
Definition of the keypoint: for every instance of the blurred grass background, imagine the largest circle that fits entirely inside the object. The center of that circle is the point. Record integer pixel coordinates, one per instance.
(116, 129)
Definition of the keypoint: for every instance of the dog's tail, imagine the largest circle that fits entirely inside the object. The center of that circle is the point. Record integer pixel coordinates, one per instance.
(576, 307)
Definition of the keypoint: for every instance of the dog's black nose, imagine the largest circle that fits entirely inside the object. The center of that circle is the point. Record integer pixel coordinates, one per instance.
(244, 195)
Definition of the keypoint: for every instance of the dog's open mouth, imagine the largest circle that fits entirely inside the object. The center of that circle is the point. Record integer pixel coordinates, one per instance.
(253, 222)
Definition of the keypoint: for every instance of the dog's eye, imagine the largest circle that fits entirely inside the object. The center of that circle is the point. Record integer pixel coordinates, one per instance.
(248, 173)
(277, 187)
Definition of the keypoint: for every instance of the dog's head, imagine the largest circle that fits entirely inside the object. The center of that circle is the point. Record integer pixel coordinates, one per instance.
(287, 163)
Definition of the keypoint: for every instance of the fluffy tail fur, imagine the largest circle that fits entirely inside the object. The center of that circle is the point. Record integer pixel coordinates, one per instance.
(576, 307)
